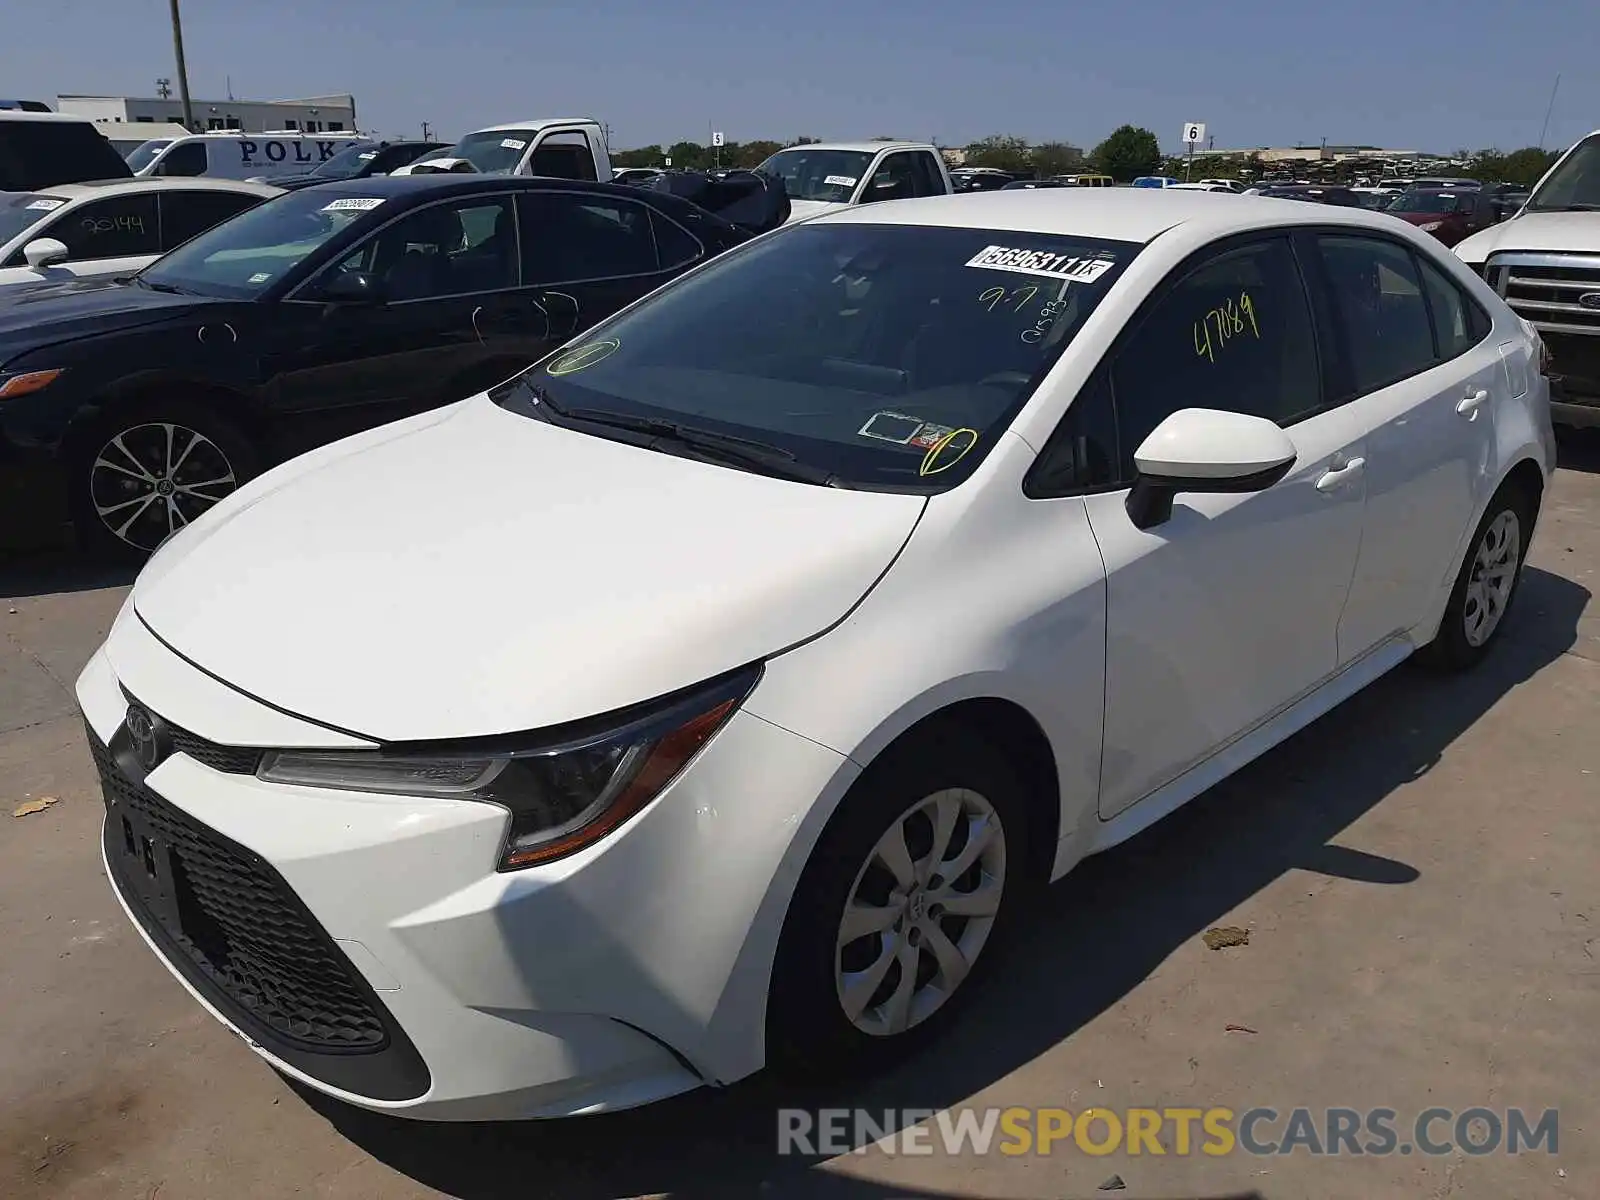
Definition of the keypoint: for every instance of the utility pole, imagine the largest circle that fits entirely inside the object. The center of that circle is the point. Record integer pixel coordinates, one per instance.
(427, 133)
(183, 71)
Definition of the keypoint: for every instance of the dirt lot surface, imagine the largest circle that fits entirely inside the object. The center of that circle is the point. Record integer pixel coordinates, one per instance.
(1417, 873)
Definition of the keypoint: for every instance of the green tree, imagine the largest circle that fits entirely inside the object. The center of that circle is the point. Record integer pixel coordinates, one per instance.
(1001, 152)
(753, 154)
(644, 156)
(1523, 166)
(689, 156)
(1128, 153)
(1055, 158)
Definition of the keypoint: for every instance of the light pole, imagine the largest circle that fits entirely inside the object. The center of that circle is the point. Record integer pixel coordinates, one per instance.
(183, 71)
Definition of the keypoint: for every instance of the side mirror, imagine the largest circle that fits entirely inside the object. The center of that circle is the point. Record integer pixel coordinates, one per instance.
(45, 252)
(1205, 450)
(352, 287)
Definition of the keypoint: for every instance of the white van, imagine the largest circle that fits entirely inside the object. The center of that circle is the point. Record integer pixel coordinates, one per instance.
(257, 156)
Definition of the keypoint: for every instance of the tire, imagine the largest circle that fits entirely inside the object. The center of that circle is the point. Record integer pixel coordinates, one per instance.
(809, 1031)
(141, 474)
(1488, 583)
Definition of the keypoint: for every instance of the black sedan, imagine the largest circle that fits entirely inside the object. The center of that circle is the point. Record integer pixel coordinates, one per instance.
(358, 162)
(132, 407)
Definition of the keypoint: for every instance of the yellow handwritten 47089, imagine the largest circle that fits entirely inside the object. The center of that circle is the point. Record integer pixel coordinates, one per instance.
(1229, 319)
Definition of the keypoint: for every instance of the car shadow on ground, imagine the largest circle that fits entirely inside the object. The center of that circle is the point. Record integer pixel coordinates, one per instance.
(1148, 896)
(1578, 450)
(55, 571)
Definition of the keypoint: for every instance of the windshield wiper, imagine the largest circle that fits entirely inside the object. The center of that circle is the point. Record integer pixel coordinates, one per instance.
(168, 288)
(1564, 208)
(762, 457)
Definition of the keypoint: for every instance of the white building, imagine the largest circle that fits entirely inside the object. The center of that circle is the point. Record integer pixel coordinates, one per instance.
(314, 114)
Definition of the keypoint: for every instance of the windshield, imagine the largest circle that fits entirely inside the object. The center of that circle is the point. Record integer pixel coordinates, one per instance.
(145, 154)
(495, 152)
(346, 163)
(1429, 202)
(889, 356)
(19, 213)
(1575, 183)
(809, 174)
(241, 258)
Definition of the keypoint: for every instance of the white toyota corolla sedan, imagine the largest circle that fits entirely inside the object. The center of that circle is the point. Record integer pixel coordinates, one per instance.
(714, 694)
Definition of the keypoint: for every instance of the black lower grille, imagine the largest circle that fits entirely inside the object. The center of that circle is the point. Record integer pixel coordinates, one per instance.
(235, 920)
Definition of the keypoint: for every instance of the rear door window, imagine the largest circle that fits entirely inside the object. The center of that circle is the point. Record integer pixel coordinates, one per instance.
(185, 214)
(570, 237)
(1377, 300)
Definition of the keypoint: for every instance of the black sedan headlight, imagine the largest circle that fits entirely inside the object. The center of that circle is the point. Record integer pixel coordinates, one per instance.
(565, 789)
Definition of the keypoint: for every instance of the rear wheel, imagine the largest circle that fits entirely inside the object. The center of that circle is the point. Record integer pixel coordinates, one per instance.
(899, 909)
(143, 475)
(1487, 583)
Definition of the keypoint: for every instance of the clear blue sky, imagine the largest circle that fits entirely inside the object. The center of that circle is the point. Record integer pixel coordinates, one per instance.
(1429, 74)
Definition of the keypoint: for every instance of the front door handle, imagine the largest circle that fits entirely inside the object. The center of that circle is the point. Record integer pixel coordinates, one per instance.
(1471, 401)
(1335, 478)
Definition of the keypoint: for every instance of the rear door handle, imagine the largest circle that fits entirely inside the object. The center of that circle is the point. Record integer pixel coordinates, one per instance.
(1470, 403)
(1335, 478)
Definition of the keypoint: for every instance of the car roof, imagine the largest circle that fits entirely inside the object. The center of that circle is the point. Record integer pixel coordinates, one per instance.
(100, 188)
(1115, 214)
(869, 147)
(537, 123)
(402, 186)
(19, 114)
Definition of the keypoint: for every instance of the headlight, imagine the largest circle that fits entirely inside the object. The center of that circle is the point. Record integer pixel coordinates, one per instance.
(1430, 226)
(565, 789)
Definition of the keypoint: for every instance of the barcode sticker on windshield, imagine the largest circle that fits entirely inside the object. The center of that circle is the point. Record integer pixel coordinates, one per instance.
(840, 181)
(1073, 267)
(368, 156)
(353, 204)
(45, 205)
(513, 144)
(259, 277)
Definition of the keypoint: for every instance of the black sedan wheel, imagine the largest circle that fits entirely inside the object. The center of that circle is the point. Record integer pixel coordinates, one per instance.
(146, 477)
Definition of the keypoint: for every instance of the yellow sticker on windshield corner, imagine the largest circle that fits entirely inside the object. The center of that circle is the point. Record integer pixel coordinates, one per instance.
(583, 356)
(948, 451)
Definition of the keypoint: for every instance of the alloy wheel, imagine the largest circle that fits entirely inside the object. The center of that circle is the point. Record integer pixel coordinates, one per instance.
(1494, 575)
(920, 910)
(149, 481)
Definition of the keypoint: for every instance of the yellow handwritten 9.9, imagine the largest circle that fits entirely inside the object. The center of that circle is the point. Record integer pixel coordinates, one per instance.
(1228, 320)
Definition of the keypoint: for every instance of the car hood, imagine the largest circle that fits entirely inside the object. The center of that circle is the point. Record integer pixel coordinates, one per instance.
(1560, 232)
(1422, 218)
(799, 210)
(46, 314)
(476, 572)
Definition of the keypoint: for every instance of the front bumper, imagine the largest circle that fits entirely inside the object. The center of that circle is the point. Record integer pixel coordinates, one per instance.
(632, 971)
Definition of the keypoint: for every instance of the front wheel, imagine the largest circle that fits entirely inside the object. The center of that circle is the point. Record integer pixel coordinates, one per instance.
(1487, 583)
(898, 909)
(142, 476)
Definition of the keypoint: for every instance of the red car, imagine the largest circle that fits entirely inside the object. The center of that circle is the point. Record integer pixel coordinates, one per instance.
(1447, 213)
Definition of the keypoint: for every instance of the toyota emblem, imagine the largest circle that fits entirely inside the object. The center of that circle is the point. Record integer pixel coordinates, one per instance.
(147, 736)
(1590, 300)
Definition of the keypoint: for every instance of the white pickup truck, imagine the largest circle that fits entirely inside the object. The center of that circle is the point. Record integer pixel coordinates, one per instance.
(1545, 261)
(820, 176)
(555, 147)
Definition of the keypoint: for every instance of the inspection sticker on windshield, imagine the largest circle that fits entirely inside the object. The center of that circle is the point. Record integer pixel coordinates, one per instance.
(891, 427)
(840, 181)
(45, 205)
(368, 156)
(513, 144)
(1073, 267)
(353, 204)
